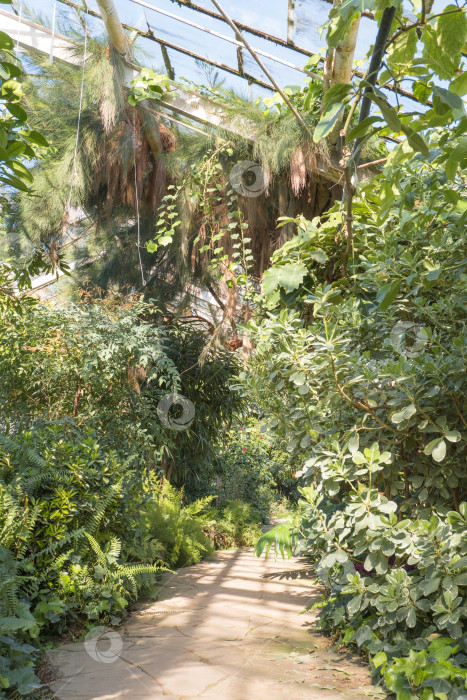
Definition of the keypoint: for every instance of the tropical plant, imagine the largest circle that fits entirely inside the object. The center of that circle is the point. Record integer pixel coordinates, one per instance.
(66, 508)
(101, 171)
(360, 359)
(234, 524)
(253, 467)
(366, 379)
(192, 459)
(102, 364)
(178, 528)
(18, 145)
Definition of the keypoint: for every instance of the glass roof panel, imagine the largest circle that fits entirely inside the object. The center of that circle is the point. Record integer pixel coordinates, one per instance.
(265, 16)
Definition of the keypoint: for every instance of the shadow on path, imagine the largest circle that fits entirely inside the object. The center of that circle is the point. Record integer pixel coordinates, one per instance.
(228, 628)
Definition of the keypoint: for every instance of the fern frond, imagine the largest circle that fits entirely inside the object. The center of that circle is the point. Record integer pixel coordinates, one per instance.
(112, 493)
(74, 535)
(115, 547)
(97, 550)
(280, 537)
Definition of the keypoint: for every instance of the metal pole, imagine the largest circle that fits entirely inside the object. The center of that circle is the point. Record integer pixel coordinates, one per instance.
(372, 75)
(262, 66)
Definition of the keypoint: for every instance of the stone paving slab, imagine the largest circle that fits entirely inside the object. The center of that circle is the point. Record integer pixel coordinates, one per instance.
(228, 628)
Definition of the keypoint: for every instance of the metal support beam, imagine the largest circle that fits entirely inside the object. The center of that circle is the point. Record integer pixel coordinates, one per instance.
(244, 27)
(201, 28)
(187, 103)
(183, 101)
(251, 79)
(30, 35)
(266, 72)
(180, 49)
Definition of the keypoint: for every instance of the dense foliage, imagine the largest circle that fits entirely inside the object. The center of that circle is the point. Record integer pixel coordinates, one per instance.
(359, 362)
(366, 378)
(83, 534)
(67, 505)
(254, 467)
(107, 364)
(361, 341)
(85, 523)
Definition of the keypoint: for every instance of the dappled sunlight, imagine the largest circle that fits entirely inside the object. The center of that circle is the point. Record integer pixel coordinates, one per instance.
(223, 626)
(233, 386)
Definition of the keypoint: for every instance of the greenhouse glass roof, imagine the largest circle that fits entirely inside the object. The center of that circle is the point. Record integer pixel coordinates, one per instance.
(201, 47)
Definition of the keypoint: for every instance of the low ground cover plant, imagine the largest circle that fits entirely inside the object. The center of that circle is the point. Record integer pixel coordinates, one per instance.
(83, 535)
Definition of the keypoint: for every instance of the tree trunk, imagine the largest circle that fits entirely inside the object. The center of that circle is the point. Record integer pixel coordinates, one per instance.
(342, 68)
(117, 36)
(119, 41)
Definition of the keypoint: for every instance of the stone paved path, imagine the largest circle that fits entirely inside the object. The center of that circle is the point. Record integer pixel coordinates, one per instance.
(227, 629)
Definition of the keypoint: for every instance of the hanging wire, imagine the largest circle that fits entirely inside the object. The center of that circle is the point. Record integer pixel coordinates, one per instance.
(137, 200)
(51, 55)
(19, 24)
(79, 116)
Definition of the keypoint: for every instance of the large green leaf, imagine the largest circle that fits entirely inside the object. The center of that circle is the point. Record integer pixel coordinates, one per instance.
(387, 294)
(443, 42)
(278, 537)
(388, 112)
(288, 276)
(11, 91)
(37, 138)
(6, 42)
(451, 30)
(459, 152)
(444, 100)
(421, 91)
(403, 50)
(416, 142)
(362, 128)
(459, 85)
(17, 111)
(404, 414)
(337, 93)
(328, 120)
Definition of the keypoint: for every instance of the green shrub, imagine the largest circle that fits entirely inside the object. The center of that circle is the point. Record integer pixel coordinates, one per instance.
(178, 528)
(103, 364)
(254, 468)
(235, 524)
(107, 363)
(392, 583)
(365, 378)
(90, 530)
(428, 674)
(66, 506)
(82, 535)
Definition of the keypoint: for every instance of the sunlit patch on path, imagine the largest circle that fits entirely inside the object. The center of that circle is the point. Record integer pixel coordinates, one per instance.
(228, 629)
